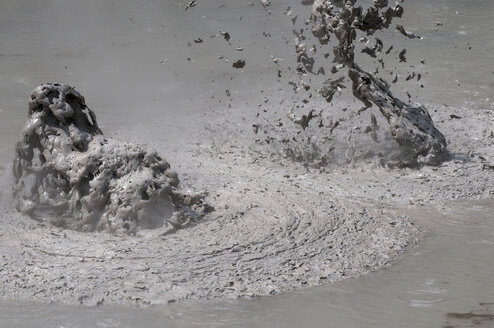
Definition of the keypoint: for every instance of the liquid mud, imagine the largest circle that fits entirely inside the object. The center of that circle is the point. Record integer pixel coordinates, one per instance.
(444, 282)
(66, 172)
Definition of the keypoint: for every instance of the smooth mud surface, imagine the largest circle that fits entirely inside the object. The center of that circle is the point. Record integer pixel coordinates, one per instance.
(301, 198)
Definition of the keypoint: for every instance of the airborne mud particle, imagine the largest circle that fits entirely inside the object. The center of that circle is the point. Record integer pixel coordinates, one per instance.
(225, 35)
(410, 76)
(330, 88)
(304, 120)
(402, 30)
(381, 61)
(239, 63)
(190, 5)
(306, 63)
(66, 171)
(375, 49)
(401, 55)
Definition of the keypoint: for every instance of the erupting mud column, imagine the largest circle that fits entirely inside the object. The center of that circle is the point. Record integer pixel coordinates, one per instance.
(66, 171)
(412, 127)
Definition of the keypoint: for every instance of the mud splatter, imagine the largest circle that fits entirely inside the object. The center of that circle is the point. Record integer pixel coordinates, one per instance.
(411, 126)
(67, 172)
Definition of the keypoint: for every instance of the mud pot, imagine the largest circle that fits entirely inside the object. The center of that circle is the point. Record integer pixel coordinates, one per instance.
(255, 183)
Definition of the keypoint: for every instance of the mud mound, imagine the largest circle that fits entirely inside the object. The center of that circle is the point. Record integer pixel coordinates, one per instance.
(66, 171)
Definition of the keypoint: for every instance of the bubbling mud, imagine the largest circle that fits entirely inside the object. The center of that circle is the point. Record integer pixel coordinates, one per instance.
(66, 171)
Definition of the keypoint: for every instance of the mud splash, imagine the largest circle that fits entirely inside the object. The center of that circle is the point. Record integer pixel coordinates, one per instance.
(277, 226)
(411, 126)
(320, 138)
(67, 172)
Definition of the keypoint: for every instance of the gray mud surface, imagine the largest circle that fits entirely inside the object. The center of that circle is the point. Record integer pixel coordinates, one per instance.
(277, 225)
(294, 206)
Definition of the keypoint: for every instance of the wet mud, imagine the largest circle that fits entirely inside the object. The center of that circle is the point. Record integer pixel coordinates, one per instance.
(293, 207)
(277, 225)
(68, 173)
(411, 126)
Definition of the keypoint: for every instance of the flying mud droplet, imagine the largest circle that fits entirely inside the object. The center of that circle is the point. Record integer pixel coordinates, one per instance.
(375, 49)
(409, 35)
(239, 63)
(410, 76)
(401, 55)
(226, 36)
(331, 87)
(190, 5)
(265, 3)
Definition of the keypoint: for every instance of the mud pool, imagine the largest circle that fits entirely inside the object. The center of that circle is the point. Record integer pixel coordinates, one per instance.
(155, 76)
(435, 280)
